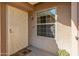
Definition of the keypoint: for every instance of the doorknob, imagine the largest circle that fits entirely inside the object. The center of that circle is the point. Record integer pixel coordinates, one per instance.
(10, 30)
(77, 38)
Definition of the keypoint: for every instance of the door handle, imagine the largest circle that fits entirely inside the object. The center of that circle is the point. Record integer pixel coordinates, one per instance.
(77, 38)
(10, 30)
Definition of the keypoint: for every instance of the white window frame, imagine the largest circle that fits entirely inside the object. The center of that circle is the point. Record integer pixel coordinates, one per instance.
(48, 23)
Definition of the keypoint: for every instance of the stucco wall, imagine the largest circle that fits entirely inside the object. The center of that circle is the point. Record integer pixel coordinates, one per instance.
(17, 29)
(74, 29)
(78, 16)
(0, 29)
(78, 23)
(63, 34)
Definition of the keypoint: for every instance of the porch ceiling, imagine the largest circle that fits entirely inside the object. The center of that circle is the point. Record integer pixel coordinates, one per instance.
(22, 5)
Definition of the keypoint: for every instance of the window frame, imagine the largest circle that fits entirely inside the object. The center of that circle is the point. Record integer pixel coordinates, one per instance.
(36, 12)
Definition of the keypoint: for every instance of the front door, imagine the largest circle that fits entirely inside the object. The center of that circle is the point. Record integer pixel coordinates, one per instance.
(17, 29)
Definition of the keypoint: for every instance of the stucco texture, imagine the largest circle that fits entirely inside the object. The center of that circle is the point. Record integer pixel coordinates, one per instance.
(63, 30)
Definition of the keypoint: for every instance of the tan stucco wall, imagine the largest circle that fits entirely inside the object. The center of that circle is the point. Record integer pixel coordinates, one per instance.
(74, 29)
(78, 24)
(3, 29)
(0, 29)
(18, 23)
(63, 34)
(78, 16)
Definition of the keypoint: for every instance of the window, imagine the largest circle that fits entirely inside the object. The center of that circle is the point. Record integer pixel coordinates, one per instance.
(46, 23)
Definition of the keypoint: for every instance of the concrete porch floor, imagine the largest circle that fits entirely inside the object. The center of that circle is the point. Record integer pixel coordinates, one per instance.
(39, 52)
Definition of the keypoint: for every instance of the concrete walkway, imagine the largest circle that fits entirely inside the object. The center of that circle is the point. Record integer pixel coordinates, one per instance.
(39, 52)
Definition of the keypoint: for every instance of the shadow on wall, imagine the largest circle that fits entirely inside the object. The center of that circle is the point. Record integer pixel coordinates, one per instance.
(64, 14)
(64, 26)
